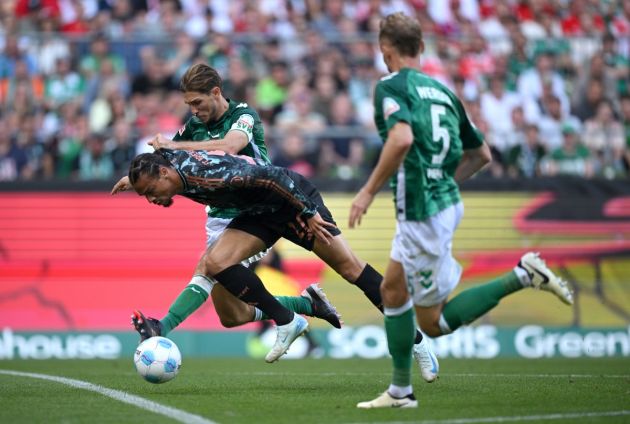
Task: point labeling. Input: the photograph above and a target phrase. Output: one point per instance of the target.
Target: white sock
(399, 392)
(257, 314)
(523, 276)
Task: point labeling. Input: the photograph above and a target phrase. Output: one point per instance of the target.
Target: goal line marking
(148, 405)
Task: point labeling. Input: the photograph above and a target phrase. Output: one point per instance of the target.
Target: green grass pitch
(325, 391)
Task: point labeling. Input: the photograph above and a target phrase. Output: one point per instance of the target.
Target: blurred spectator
(71, 141)
(51, 48)
(604, 136)
(596, 69)
(572, 158)
(121, 146)
(63, 84)
(342, 154)
(585, 103)
(552, 122)
(155, 76)
(497, 105)
(523, 160)
(531, 82)
(94, 162)
(292, 153)
(13, 55)
(625, 118)
(271, 91)
(13, 158)
(617, 63)
(100, 51)
(239, 81)
(298, 111)
(21, 91)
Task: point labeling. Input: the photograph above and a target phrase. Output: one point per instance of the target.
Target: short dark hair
(402, 32)
(200, 78)
(147, 164)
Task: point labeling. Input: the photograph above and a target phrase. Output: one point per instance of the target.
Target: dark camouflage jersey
(228, 181)
(239, 117)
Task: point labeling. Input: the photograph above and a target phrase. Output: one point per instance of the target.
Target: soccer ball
(157, 359)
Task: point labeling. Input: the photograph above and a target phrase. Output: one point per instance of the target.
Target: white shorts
(424, 250)
(215, 227)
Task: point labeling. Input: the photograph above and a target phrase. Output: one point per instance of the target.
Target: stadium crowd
(84, 84)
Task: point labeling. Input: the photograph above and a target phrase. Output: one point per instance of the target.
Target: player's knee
(211, 265)
(392, 296)
(431, 329)
(233, 320)
(229, 322)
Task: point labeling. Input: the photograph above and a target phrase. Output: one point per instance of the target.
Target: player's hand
(360, 205)
(319, 228)
(161, 142)
(122, 185)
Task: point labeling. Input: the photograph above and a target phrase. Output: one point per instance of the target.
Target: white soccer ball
(157, 359)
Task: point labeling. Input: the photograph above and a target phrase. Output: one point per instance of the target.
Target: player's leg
(474, 302)
(400, 329)
(438, 317)
(223, 262)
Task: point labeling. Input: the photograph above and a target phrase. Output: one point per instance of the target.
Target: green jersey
(238, 117)
(424, 183)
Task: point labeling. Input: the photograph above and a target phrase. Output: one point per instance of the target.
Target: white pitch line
(501, 375)
(148, 405)
(515, 418)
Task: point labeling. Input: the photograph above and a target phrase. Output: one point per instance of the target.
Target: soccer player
(430, 146)
(273, 202)
(219, 123)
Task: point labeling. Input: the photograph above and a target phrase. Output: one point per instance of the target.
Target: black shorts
(270, 227)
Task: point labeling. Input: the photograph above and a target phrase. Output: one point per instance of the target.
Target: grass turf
(322, 391)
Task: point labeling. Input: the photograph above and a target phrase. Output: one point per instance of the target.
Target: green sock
(297, 304)
(476, 301)
(401, 332)
(188, 301)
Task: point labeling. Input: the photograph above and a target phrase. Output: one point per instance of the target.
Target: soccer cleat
(426, 359)
(322, 308)
(386, 400)
(146, 327)
(286, 335)
(543, 278)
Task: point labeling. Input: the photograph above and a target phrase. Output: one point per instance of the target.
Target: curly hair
(147, 164)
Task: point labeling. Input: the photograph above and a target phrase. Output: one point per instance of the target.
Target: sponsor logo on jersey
(390, 106)
(245, 123)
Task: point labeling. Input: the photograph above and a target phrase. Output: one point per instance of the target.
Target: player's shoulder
(194, 122)
(242, 108)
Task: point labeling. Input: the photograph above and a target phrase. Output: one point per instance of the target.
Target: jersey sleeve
(245, 124)
(471, 137)
(392, 103)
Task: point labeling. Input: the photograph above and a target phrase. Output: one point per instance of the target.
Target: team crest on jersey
(390, 106)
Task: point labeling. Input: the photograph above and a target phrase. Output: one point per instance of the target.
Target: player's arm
(234, 142)
(473, 160)
(398, 143)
